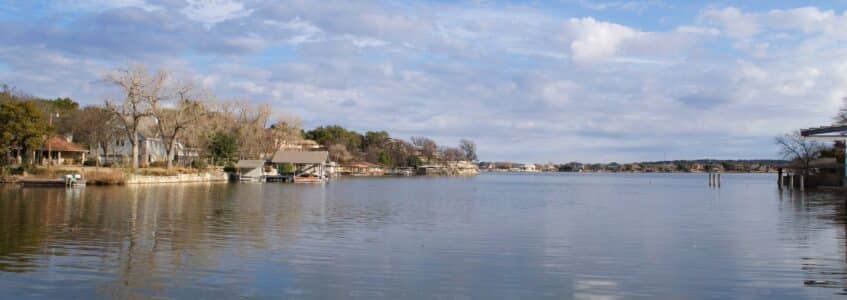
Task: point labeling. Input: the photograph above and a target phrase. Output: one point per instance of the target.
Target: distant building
(363, 169)
(299, 145)
(527, 168)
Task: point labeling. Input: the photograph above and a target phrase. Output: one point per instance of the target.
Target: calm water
(557, 236)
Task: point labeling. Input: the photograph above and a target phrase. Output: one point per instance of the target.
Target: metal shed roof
(249, 163)
(300, 157)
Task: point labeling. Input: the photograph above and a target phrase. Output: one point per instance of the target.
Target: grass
(104, 176)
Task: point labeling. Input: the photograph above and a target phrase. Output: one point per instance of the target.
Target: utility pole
(50, 145)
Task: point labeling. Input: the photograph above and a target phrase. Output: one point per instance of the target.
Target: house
(299, 145)
(311, 164)
(527, 168)
(150, 150)
(62, 150)
(363, 169)
(254, 170)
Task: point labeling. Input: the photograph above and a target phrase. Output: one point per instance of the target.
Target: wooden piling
(779, 180)
(711, 179)
(718, 180)
(802, 183)
(791, 182)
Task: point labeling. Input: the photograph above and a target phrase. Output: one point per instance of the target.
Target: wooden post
(710, 179)
(719, 180)
(791, 182)
(779, 179)
(802, 183)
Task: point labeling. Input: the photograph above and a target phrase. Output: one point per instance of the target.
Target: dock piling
(802, 183)
(791, 182)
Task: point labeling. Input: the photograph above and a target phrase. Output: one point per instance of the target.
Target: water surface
(606, 236)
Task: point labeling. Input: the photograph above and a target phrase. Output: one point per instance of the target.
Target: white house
(150, 150)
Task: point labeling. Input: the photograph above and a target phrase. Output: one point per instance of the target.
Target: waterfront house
(833, 168)
(63, 151)
(363, 169)
(527, 168)
(150, 150)
(311, 164)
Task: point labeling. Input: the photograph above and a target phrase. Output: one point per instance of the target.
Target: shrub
(229, 168)
(199, 164)
(104, 177)
(158, 164)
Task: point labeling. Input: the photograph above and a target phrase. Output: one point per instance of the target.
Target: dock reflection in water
(491, 236)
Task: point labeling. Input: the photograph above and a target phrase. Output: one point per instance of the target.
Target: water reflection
(494, 236)
(827, 269)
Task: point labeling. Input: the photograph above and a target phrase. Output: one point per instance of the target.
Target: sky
(531, 81)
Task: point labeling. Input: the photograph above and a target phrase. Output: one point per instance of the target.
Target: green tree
(385, 159)
(222, 148)
(334, 134)
(22, 126)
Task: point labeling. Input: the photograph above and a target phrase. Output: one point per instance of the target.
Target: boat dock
(51, 183)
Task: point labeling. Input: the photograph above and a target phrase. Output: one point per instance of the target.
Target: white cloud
(527, 84)
(595, 40)
(734, 23)
(211, 12)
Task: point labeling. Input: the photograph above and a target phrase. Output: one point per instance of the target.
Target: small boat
(307, 179)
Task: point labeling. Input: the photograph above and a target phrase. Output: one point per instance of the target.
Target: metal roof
(823, 130)
(249, 163)
(300, 157)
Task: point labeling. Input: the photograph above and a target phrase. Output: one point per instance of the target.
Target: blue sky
(586, 80)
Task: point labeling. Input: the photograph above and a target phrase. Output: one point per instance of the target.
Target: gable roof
(300, 157)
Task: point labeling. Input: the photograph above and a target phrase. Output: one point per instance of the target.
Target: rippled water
(492, 236)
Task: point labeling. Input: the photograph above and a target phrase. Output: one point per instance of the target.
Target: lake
(584, 236)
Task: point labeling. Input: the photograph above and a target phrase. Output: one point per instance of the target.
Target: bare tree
(427, 147)
(284, 131)
(451, 154)
(469, 149)
(251, 122)
(139, 89)
(339, 153)
(841, 117)
(98, 128)
(171, 122)
(798, 150)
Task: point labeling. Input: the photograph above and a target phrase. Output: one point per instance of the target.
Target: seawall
(180, 178)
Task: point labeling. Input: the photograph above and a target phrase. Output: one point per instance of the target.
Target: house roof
(58, 143)
(833, 129)
(300, 157)
(250, 163)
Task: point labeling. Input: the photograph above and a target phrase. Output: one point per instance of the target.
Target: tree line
(177, 110)
(379, 147)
